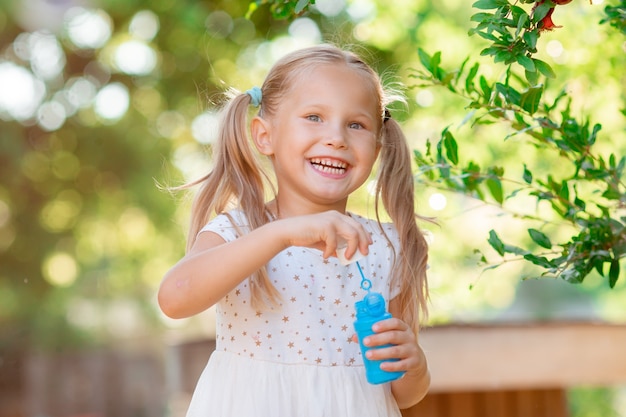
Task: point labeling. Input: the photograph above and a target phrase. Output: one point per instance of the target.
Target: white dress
(298, 359)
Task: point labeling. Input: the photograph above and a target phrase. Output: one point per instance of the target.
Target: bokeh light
(88, 29)
(135, 58)
(425, 98)
(360, 10)
(80, 91)
(437, 201)
(112, 101)
(144, 25)
(60, 269)
(51, 115)
(204, 127)
(20, 92)
(330, 7)
(305, 29)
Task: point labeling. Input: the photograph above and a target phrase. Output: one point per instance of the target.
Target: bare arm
(212, 268)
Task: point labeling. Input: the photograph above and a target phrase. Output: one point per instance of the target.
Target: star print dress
(297, 359)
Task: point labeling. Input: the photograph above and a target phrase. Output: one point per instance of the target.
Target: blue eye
(314, 118)
(355, 126)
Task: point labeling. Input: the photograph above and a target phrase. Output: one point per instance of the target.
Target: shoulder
(229, 225)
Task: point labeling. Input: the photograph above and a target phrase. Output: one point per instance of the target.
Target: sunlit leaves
(281, 9)
(443, 166)
(513, 32)
(549, 126)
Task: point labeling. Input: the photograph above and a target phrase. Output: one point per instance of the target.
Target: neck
(281, 209)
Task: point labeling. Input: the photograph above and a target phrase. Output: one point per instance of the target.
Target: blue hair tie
(255, 96)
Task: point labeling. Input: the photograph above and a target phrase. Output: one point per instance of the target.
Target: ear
(260, 130)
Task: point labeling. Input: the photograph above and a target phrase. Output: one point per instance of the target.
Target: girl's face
(323, 138)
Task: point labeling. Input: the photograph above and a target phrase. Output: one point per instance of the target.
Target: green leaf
(530, 38)
(540, 238)
(469, 80)
(527, 63)
(301, 5)
(481, 17)
(564, 191)
(503, 56)
(484, 85)
(487, 4)
(580, 203)
(614, 272)
(539, 260)
(424, 59)
(531, 98)
(495, 242)
(510, 94)
(532, 77)
(544, 68)
(451, 147)
(495, 188)
(521, 23)
(515, 250)
(528, 176)
(541, 10)
(435, 60)
(485, 35)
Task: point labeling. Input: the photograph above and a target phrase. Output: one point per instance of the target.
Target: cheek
(369, 149)
(367, 159)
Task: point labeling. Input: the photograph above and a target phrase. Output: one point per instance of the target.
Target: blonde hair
(239, 180)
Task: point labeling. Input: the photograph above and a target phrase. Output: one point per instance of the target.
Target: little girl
(285, 304)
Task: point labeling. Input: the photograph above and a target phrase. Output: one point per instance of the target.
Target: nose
(335, 136)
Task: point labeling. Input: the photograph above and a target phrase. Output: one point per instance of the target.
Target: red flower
(547, 23)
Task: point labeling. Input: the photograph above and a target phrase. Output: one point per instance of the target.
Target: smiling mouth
(329, 166)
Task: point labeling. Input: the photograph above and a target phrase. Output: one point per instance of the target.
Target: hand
(326, 231)
(405, 347)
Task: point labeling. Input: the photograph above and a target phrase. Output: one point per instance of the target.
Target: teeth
(330, 170)
(329, 166)
(329, 163)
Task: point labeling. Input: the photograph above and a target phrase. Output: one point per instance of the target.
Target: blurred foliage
(594, 402)
(86, 228)
(616, 16)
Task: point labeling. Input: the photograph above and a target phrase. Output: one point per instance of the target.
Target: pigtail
(395, 187)
(237, 180)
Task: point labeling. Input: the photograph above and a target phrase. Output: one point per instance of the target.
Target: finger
(393, 323)
(387, 338)
(396, 366)
(330, 247)
(354, 238)
(397, 352)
